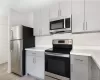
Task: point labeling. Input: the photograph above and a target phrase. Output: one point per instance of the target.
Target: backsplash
(46, 41)
(85, 39)
(43, 41)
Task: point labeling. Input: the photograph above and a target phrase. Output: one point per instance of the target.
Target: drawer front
(81, 59)
(40, 53)
(30, 53)
(35, 53)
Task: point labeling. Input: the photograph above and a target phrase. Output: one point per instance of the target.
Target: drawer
(40, 53)
(35, 53)
(81, 59)
(30, 53)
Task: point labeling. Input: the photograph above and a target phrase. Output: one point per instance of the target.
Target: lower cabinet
(80, 67)
(95, 71)
(34, 64)
(39, 67)
(30, 65)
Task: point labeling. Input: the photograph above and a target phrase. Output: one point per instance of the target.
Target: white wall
(79, 40)
(3, 39)
(21, 18)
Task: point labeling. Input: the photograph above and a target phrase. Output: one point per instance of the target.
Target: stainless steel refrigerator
(21, 38)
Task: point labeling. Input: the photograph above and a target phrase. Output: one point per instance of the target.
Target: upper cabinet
(37, 17)
(45, 21)
(41, 22)
(61, 9)
(78, 21)
(85, 15)
(65, 8)
(54, 11)
(92, 10)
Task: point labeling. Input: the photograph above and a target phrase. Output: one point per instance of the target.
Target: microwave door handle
(57, 54)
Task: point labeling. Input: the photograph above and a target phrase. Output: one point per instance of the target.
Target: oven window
(58, 65)
(59, 24)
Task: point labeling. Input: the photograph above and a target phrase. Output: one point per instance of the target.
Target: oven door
(57, 64)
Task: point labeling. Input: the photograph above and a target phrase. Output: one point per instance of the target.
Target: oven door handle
(57, 54)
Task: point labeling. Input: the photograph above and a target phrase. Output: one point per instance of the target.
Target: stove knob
(70, 42)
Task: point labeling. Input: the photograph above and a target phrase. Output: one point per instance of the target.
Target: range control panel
(62, 41)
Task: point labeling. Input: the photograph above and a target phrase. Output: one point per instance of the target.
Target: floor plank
(6, 76)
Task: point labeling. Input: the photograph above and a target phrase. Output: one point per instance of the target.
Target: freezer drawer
(17, 32)
(16, 56)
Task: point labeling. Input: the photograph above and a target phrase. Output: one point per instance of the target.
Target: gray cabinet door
(65, 8)
(35, 64)
(30, 65)
(79, 70)
(95, 71)
(39, 67)
(78, 16)
(16, 57)
(92, 12)
(54, 11)
(37, 22)
(45, 21)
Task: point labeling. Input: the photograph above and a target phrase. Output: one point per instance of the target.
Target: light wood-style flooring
(6, 76)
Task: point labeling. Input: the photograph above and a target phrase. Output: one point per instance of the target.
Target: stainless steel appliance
(60, 25)
(57, 60)
(21, 38)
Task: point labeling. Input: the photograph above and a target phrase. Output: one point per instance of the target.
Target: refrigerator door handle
(11, 35)
(11, 45)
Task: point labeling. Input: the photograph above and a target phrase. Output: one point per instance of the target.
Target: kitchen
(84, 17)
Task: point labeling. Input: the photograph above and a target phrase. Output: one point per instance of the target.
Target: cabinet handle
(86, 25)
(33, 60)
(79, 60)
(39, 32)
(11, 34)
(71, 67)
(59, 12)
(83, 26)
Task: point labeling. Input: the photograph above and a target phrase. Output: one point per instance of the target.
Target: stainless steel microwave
(60, 25)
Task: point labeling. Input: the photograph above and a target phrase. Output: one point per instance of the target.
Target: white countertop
(37, 48)
(95, 54)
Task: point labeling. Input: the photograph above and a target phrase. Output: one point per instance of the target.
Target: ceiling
(23, 5)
